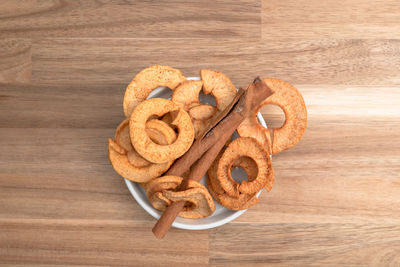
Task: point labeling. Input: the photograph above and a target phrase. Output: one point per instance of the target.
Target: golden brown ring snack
(146, 81)
(244, 147)
(287, 97)
(128, 163)
(219, 86)
(145, 146)
(158, 131)
(187, 94)
(244, 201)
(161, 194)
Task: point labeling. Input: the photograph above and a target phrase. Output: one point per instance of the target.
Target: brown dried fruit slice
(155, 187)
(202, 112)
(199, 202)
(146, 81)
(201, 115)
(122, 137)
(187, 94)
(244, 201)
(157, 130)
(219, 86)
(287, 97)
(244, 147)
(160, 132)
(198, 126)
(124, 168)
(145, 146)
(136, 160)
(128, 163)
(187, 97)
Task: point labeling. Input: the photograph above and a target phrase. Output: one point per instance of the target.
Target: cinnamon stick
(214, 139)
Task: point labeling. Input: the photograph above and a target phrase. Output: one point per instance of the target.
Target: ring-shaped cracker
(244, 147)
(145, 146)
(146, 81)
(289, 99)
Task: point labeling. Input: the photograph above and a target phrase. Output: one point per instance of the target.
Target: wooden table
(64, 66)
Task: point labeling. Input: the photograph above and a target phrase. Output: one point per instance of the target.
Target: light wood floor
(64, 66)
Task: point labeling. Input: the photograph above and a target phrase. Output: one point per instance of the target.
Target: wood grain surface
(64, 66)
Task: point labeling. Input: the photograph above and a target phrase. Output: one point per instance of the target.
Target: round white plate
(221, 215)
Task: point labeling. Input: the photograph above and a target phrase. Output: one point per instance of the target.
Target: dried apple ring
(119, 160)
(128, 163)
(136, 160)
(202, 112)
(289, 99)
(244, 201)
(160, 132)
(146, 81)
(161, 194)
(157, 130)
(155, 187)
(187, 94)
(145, 146)
(219, 86)
(244, 147)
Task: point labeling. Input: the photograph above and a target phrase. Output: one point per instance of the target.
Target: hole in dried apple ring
(274, 116)
(244, 169)
(239, 174)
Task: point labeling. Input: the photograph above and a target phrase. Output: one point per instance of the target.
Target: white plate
(221, 215)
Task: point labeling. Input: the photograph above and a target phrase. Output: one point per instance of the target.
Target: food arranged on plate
(167, 146)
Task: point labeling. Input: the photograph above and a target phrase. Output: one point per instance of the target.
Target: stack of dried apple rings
(158, 131)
